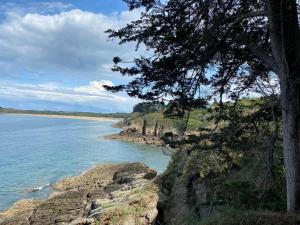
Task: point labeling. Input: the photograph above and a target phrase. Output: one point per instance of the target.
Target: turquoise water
(36, 151)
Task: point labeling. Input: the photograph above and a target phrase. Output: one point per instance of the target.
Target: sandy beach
(71, 117)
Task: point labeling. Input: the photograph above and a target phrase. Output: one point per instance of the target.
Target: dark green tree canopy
(223, 45)
(148, 107)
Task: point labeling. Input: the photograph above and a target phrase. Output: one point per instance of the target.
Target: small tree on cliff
(144, 128)
(224, 46)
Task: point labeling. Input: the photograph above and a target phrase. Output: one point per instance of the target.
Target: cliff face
(108, 194)
(203, 187)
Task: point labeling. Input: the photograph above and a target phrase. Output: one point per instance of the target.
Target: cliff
(230, 174)
(201, 187)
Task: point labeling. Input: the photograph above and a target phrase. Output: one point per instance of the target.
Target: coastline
(48, 184)
(91, 118)
(100, 196)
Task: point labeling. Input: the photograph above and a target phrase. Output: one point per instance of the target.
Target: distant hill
(89, 114)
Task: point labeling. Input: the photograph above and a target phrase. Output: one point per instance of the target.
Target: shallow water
(36, 151)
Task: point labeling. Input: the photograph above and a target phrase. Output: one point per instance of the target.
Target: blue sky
(54, 55)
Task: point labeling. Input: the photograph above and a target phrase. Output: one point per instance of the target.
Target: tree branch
(254, 14)
(259, 52)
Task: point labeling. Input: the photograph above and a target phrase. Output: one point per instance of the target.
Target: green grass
(107, 205)
(198, 118)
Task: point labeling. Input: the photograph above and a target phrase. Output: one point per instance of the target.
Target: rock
(96, 204)
(163, 200)
(174, 199)
(132, 135)
(64, 219)
(81, 221)
(150, 174)
(131, 130)
(106, 195)
(19, 213)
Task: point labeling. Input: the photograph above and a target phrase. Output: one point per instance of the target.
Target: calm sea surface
(37, 151)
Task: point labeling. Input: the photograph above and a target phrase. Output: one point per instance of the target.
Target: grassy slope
(197, 118)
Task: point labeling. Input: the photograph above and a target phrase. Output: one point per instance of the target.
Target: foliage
(148, 107)
(238, 164)
(233, 216)
(174, 124)
(215, 50)
(191, 218)
(196, 44)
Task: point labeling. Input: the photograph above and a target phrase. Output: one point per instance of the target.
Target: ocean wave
(40, 187)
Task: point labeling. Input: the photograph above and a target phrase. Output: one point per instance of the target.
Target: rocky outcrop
(174, 206)
(139, 139)
(106, 195)
(132, 134)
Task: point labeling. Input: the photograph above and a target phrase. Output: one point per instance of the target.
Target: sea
(36, 152)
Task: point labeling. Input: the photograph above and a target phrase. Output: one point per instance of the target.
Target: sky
(54, 55)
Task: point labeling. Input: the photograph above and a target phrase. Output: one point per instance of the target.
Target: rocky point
(122, 194)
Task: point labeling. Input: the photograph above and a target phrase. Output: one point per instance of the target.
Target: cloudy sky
(54, 55)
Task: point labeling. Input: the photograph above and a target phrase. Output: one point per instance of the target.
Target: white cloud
(92, 94)
(72, 42)
(43, 42)
(34, 7)
(95, 87)
(53, 92)
(55, 6)
(48, 86)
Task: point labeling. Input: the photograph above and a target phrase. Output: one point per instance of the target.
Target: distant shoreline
(92, 118)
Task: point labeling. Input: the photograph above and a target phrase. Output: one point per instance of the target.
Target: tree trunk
(285, 37)
(155, 129)
(290, 102)
(144, 129)
(161, 130)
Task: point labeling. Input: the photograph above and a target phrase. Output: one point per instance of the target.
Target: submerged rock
(106, 195)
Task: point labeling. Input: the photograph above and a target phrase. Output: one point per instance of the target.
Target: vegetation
(234, 154)
(239, 167)
(231, 216)
(191, 124)
(204, 50)
(148, 107)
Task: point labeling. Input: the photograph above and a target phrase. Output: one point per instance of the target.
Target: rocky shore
(145, 134)
(105, 195)
(137, 138)
(132, 134)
